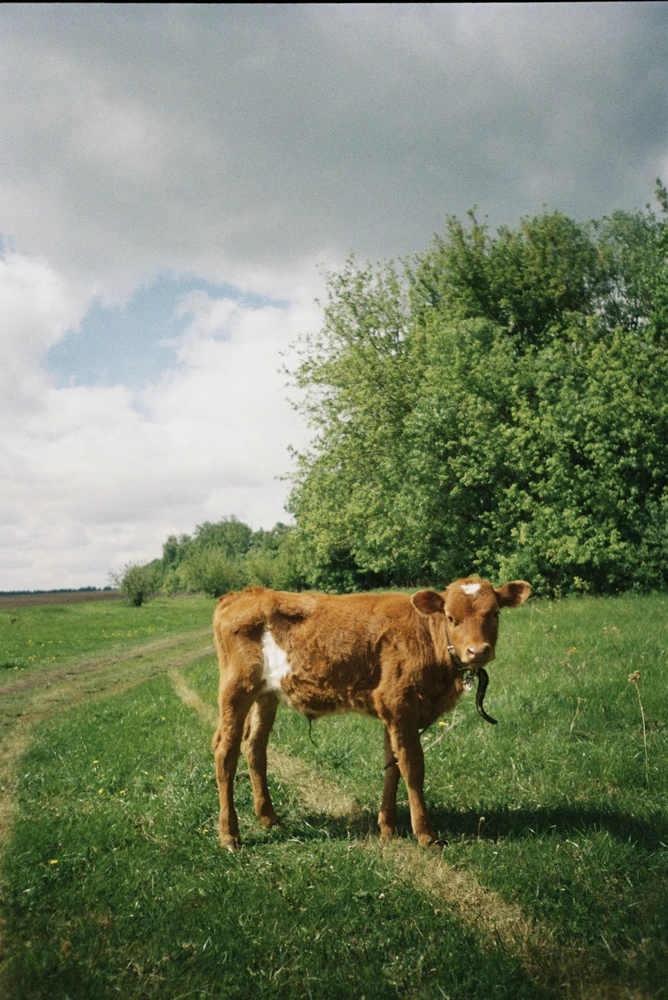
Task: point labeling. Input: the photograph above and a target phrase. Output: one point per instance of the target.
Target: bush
(278, 571)
(213, 572)
(172, 581)
(136, 582)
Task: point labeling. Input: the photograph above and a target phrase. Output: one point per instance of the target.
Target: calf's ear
(427, 602)
(512, 594)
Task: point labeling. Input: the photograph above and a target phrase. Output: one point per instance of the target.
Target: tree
(175, 550)
(358, 373)
(499, 406)
(230, 535)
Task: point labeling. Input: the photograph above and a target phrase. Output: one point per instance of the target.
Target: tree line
(216, 558)
(496, 405)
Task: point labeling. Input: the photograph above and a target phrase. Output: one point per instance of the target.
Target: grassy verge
(81, 650)
(552, 883)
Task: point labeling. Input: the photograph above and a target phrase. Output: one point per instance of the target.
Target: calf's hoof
(431, 841)
(269, 821)
(386, 832)
(231, 843)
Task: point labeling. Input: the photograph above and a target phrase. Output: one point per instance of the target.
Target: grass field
(553, 881)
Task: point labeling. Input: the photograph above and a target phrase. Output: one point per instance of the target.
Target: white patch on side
(470, 588)
(276, 664)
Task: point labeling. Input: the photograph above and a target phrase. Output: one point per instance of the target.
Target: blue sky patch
(133, 344)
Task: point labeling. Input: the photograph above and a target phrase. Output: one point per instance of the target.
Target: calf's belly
(310, 694)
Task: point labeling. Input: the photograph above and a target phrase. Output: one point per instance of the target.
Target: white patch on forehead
(276, 665)
(470, 588)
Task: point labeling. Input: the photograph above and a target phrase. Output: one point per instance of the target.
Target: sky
(175, 182)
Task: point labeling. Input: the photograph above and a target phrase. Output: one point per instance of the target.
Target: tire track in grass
(315, 792)
(12, 751)
(563, 970)
(67, 670)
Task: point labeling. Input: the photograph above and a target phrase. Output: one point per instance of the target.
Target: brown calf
(397, 658)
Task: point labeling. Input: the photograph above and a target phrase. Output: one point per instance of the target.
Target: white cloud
(104, 475)
(37, 307)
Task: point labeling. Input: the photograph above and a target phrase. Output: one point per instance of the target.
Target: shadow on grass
(648, 833)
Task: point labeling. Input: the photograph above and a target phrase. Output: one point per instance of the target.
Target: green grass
(552, 811)
(43, 636)
(150, 906)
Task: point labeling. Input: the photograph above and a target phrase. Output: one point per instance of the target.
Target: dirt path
(57, 690)
(315, 791)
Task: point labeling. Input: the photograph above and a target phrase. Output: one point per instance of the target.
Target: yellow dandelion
(122, 791)
(100, 791)
(441, 723)
(96, 762)
(160, 778)
(54, 861)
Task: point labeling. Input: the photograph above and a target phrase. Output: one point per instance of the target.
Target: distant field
(553, 880)
(39, 636)
(69, 597)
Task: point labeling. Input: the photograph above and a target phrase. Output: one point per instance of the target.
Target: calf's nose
(481, 652)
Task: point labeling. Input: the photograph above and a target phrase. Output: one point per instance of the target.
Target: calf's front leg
(405, 743)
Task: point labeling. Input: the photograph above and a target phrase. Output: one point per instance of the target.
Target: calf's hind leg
(234, 706)
(259, 721)
(387, 817)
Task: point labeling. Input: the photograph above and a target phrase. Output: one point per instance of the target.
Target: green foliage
(360, 376)
(212, 571)
(274, 559)
(501, 407)
(228, 555)
(526, 280)
(229, 536)
(174, 551)
(137, 582)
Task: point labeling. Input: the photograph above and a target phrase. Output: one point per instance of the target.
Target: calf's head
(471, 608)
